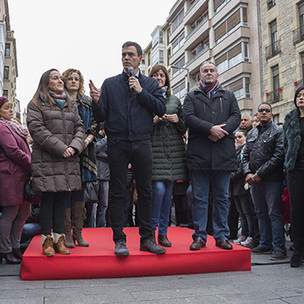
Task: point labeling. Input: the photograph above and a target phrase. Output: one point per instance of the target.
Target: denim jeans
(103, 197)
(219, 181)
(29, 231)
(267, 200)
(161, 205)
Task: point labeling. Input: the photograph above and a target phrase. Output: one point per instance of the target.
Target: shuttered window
(217, 3)
(220, 31)
(233, 20)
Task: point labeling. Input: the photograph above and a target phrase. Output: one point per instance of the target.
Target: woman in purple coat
(15, 167)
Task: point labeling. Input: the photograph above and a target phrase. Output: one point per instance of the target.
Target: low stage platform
(99, 260)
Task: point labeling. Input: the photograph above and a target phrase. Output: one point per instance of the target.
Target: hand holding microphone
(133, 82)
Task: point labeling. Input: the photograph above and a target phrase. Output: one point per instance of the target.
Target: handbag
(91, 192)
(29, 194)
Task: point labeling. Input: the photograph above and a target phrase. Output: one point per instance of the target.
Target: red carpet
(99, 260)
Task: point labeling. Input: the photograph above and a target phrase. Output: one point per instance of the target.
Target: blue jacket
(127, 115)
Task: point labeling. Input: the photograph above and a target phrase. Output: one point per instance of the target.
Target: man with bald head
(246, 123)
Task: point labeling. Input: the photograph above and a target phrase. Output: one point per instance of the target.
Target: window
(161, 57)
(240, 87)
(218, 4)
(274, 36)
(302, 60)
(178, 43)
(6, 73)
(270, 4)
(180, 90)
(234, 56)
(5, 93)
(179, 64)
(275, 83)
(7, 49)
(301, 16)
(177, 20)
(238, 18)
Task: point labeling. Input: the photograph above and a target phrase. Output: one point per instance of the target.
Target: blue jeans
(267, 200)
(220, 181)
(161, 205)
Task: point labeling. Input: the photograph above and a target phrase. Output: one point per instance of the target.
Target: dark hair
(295, 95)
(136, 45)
(265, 103)
(43, 92)
(158, 67)
(65, 77)
(241, 131)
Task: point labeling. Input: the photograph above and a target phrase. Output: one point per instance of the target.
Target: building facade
(8, 59)
(282, 44)
(223, 31)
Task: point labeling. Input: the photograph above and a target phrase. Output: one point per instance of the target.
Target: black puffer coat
(200, 115)
(54, 130)
(168, 148)
(264, 153)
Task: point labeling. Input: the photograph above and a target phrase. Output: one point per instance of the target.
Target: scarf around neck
(209, 89)
(60, 99)
(16, 127)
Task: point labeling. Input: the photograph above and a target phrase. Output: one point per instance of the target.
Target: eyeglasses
(264, 110)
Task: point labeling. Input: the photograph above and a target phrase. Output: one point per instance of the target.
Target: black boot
(150, 246)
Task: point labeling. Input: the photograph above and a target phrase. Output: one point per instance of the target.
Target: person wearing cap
(293, 131)
(127, 105)
(15, 167)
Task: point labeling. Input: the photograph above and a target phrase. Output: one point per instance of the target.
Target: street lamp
(188, 75)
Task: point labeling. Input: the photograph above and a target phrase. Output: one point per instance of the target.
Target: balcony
(273, 49)
(274, 96)
(298, 35)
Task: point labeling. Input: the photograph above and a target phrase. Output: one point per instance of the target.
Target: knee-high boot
(78, 215)
(69, 242)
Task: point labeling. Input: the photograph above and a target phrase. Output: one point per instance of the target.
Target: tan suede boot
(47, 245)
(69, 242)
(59, 244)
(78, 215)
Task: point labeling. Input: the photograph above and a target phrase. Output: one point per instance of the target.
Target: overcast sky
(86, 35)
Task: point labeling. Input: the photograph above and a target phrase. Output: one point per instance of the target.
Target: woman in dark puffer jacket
(169, 158)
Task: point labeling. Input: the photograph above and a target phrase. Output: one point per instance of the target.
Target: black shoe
(17, 253)
(163, 241)
(121, 248)
(224, 245)
(296, 259)
(9, 258)
(197, 244)
(279, 254)
(150, 246)
(260, 249)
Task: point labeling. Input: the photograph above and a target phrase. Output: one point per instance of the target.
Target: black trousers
(295, 179)
(139, 155)
(52, 211)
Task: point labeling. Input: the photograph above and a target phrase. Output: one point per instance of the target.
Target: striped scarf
(209, 89)
(59, 98)
(16, 127)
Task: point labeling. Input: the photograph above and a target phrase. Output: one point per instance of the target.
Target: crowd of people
(135, 143)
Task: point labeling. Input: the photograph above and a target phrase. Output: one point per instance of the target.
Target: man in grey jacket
(211, 114)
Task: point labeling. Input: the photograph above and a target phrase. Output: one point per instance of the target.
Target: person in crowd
(169, 156)
(262, 165)
(242, 198)
(246, 123)
(58, 140)
(75, 211)
(15, 167)
(32, 224)
(211, 114)
(103, 176)
(127, 104)
(255, 121)
(294, 163)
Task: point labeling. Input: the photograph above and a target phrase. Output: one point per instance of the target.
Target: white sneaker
(248, 242)
(240, 239)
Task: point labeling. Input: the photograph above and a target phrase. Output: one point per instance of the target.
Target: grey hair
(205, 62)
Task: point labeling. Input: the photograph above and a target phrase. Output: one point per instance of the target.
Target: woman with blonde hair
(75, 211)
(58, 140)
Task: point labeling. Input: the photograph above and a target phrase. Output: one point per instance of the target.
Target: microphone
(131, 71)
